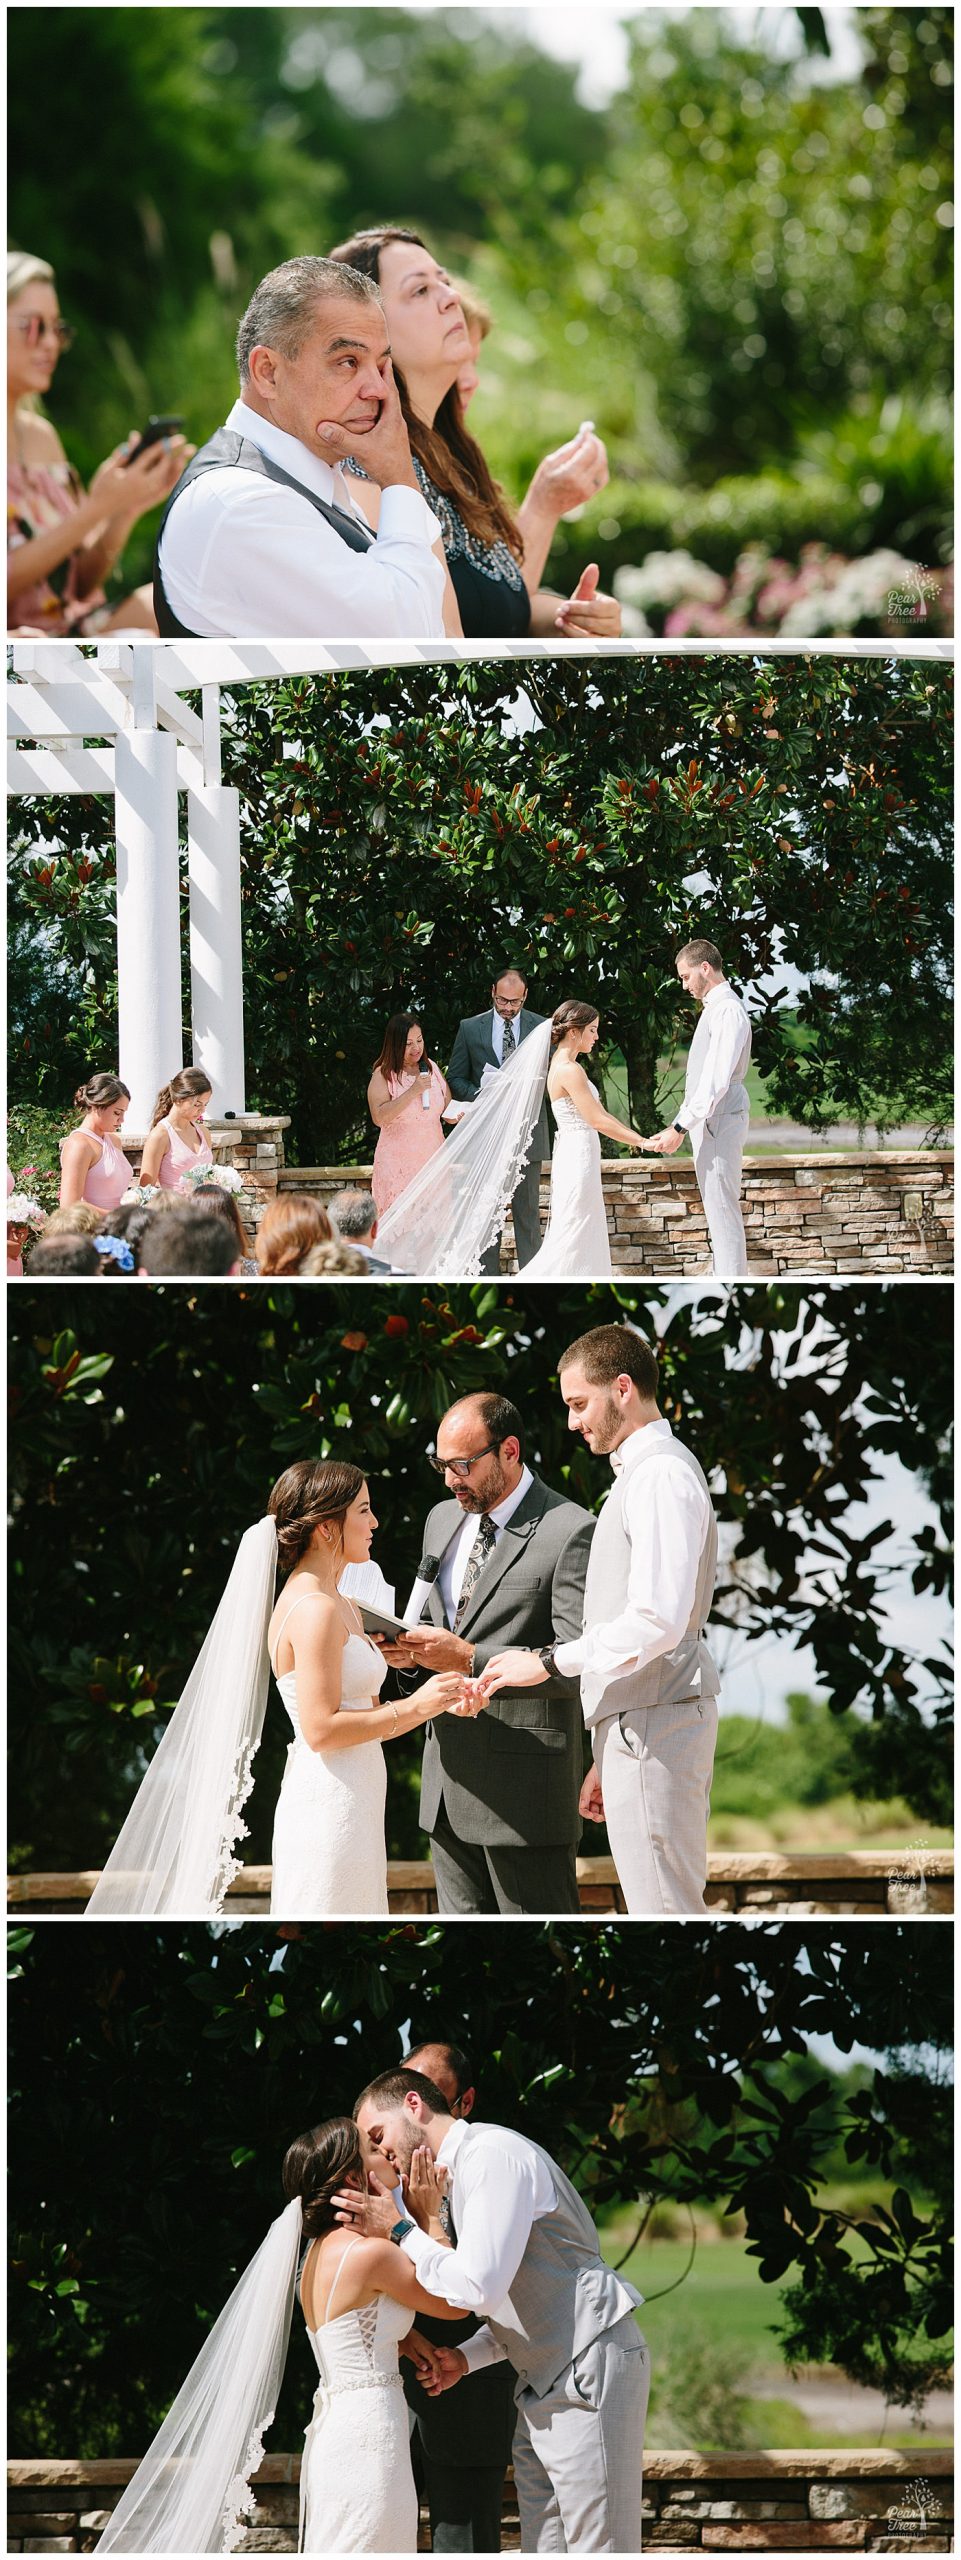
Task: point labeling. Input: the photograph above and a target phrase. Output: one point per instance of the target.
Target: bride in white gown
(175, 1854)
(577, 1245)
(455, 1207)
(190, 2493)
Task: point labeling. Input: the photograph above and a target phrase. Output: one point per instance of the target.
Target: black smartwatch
(679, 1126)
(547, 1652)
(401, 2229)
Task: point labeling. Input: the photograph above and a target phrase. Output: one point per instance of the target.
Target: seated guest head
(128, 1222)
(429, 342)
(354, 1216)
(480, 322)
(186, 1243)
(402, 1048)
(222, 1204)
(311, 347)
(61, 1257)
(291, 1225)
(334, 1260)
(80, 1219)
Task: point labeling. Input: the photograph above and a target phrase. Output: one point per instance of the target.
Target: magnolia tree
(158, 2075)
(407, 832)
(149, 1425)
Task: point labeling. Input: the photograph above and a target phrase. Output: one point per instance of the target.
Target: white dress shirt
(453, 1566)
(246, 558)
(718, 1057)
(499, 2186)
(667, 1529)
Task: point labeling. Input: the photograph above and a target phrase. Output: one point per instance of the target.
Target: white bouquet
(222, 1177)
(24, 1211)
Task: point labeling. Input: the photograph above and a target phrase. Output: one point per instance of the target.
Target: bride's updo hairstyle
(316, 1489)
(316, 2165)
(570, 1016)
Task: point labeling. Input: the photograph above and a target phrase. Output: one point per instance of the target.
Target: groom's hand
(450, 2365)
(373, 2214)
(590, 1802)
(667, 1142)
(512, 1670)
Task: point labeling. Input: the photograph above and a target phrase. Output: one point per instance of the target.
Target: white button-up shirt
(453, 1564)
(668, 1517)
(718, 1057)
(499, 2187)
(246, 558)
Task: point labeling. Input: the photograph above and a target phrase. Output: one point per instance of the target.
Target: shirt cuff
(481, 2349)
(406, 517)
(569, 1658)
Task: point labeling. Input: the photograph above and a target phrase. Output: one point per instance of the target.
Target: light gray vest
(563, 2295)
(687, 1671)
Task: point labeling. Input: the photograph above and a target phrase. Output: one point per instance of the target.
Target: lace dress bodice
(358, 2350)
(357, 2487)
(362, 1679)
(329, 1853)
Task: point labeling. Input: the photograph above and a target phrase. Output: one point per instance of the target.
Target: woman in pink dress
(178, 1140)
(63, 540)
(405, 1097)
(92, 1166)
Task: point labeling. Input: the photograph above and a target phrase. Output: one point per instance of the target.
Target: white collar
(722, 989)
(639, 1444)
(307, 467)
(452, 2141)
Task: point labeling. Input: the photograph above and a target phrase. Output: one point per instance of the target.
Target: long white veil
(175, 1855)
(456, 1205)
(191, 2489)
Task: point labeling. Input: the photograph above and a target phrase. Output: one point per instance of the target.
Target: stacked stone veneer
(799, 1883)
(802, 2502)
(884, 1211)
(253, 1143)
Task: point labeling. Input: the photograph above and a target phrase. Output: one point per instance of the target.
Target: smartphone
(153, 431)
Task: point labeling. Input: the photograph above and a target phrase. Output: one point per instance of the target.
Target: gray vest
(563, 2295)
(687, 1671)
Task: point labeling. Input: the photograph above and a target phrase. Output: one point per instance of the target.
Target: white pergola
(132, 693)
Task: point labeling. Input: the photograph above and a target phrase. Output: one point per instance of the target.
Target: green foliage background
(149, 1424)
(740, 270)
(407, 831)
(157, 2076)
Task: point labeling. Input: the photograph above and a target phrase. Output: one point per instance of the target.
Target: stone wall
(878, 1210)
(809, 2501)
(253, 1142)
(780, 1883)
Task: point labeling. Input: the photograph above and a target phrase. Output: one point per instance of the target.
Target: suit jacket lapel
(508, 1548)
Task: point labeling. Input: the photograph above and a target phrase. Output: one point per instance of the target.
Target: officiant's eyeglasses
(460, 1466)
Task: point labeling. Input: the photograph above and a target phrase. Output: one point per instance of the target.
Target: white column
(216, 956)
(148, 918)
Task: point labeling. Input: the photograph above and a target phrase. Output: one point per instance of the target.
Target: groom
(648, 1683)
(491, 1040)
(715, 1112)
(526, 2258)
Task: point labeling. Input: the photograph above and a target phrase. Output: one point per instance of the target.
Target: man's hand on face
(383, 447)
(373, 2214)
(450, 2366)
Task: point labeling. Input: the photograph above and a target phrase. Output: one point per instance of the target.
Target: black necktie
(486, 1539)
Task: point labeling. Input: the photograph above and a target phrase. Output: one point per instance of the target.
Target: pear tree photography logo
(916, 2512)
(913, 601)
(908, 1880)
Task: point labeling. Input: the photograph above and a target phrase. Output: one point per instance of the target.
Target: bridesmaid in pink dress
(405, 1097)
(92, 1166)
(14, 1256)
(178, 1139)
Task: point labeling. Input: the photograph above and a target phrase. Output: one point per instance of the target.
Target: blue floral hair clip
(115, 1249)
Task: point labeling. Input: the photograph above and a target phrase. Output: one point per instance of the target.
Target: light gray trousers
(718, 1147)
(578, 2449)
(655, 1766)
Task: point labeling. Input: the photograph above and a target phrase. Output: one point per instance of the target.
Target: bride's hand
(426, 2186)
(438, 1694)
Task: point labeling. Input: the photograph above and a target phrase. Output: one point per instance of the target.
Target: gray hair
(23, 270)
(281, 310)
(353, 1213)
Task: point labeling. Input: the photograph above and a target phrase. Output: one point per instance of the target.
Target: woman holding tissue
(176, 1852)
(495, 559)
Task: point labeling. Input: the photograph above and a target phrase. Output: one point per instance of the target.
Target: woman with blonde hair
(177, 1140)
(63, 540)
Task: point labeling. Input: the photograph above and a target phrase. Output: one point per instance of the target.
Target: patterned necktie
(509, 1044)
(486, 1539)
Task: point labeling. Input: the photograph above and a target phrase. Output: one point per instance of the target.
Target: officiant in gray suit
(489, 1041)
(504, 1564)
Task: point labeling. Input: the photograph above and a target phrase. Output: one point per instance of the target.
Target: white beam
(148, 918)
(93, 710)
(216, 950)
(47, 772)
